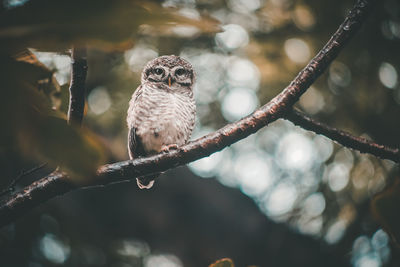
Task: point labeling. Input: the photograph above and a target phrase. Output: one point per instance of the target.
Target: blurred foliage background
(281, 197)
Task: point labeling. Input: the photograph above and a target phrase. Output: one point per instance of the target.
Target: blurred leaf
(225, 262)
(48, 85)
(55, 25)
(13, 70)
(77, 151)
(385, 208)
(64, 98)
(20, 88)
(37, 129)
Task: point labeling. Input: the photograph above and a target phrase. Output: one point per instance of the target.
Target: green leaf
(54, 25)
(225, 262)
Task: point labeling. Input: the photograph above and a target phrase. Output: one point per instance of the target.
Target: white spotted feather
(162, 110)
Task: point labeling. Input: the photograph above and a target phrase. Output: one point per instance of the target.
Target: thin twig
(59, 183)
(344, 138)
(79, 69)
(11, 187)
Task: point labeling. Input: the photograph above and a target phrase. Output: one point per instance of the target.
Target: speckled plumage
(162, 109)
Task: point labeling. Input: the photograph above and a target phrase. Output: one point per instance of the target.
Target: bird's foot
(167, 148)
(144, 184)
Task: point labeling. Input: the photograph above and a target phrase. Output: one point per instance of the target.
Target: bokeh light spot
(239, 102)
(99, 100)
(324, 147)
(303, 17)
(369, 260)
(297, 50)
(210, 73)
(53, 249)
(338, 176)
(380, 239)
(361, 245)
(13, 3)
(254, 173)
(244, 6)
(138, 56)
(344, 156)
(371, 252)
(312, 101)
(243, 73)
(295, 152)
(135, 248)
(233, 37)
(339, 74)
(314, 204)
(391, 29)
(206, 167)
(162, 260)
(311, 227)
(335, 232)
(225, 174)
(388, 75)
(281, 199)
(362, 173)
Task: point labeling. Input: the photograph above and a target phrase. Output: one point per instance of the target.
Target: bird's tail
(146, 182)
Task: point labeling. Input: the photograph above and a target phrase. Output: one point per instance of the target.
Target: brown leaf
(225, 262)
(38, 131)
(77, 151)
(49, 85)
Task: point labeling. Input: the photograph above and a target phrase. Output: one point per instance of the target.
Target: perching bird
(162, 110)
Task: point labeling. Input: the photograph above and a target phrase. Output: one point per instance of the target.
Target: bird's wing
(133, 103)
(135, 146)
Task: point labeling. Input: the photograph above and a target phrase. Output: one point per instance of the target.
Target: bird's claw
(142, 185)
(167, 148)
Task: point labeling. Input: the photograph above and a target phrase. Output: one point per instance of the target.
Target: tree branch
(11, 187)
(344, 138)
(58, 182)
(77, 87)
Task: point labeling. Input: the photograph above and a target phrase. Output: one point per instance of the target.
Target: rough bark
(77, 87)
(344, 138)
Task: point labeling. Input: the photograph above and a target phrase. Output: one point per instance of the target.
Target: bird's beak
(169, 81)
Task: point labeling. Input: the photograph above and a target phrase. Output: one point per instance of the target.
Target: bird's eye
(158, 71)
(180, 72)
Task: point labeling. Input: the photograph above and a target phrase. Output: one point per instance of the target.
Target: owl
(162, 110)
